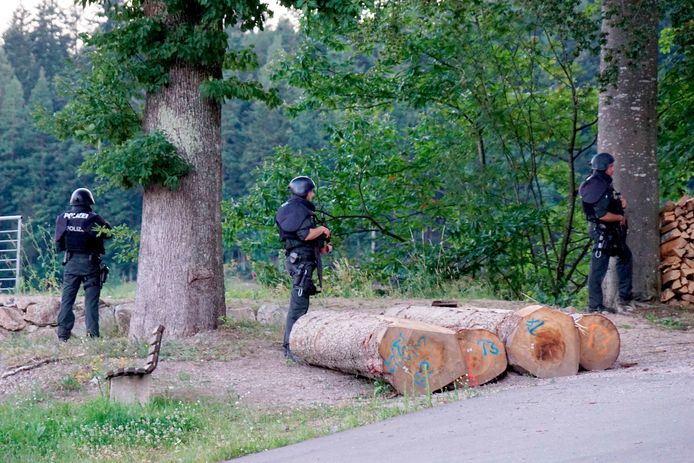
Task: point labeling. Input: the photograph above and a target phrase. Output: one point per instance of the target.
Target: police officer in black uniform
(75, 234)
(604, 209)
(304, 242)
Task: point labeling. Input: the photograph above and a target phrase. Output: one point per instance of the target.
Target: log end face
(544, 343)
(484, 356)
(418, 360)
(600, 342)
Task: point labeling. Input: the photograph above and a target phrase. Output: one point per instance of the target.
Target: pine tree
(17, 45)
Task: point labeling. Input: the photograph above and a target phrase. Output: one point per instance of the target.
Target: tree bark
(414, 357)
(538, 340)
(180, 271)
(627, 128)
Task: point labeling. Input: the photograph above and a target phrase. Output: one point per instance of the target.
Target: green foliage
(666, 322)
(125, 242)
(40, 260)
(480, 176)
(104, 431)
(145, 159)
(675, 100)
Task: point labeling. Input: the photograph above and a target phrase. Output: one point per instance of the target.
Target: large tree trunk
(414, 357)
(538, 340)
(627, 128)
(180, 275)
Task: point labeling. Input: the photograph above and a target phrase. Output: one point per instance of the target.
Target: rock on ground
(272, 314)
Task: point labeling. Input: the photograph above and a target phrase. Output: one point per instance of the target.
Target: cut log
(667, 207)
(675, 284)
(484, 355)
(679, 211)
(681, 290)
(672, 260)
(670, 275)
(682, 201)
(414, 357)
(600, 341)
(671, 235)
(668, 227)
(667, 217)
(667, 295)
(688, 298)
(690, 287)
(538, 340)
(673, 247)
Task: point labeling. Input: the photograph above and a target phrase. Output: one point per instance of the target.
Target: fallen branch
(31, 366)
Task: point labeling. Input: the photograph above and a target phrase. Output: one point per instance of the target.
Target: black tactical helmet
(601, 161)
(81, 197)
(300, 186)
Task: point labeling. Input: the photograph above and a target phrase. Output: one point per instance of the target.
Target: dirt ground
(243, 362)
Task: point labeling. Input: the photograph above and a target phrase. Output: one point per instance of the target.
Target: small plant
(70, 384)
(382, 389)
(666, 322)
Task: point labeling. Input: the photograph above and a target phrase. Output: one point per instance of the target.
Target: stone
(11, 319)
(240, 313)
(124, 313)
(131, 389)
(272, 314)
(43, 312)
(41, 332)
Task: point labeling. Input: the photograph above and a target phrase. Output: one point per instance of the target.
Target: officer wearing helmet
(76, 235)
(604, 209)
(304, 241)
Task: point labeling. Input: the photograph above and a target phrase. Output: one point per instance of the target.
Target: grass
(666, 322)
(39, 430)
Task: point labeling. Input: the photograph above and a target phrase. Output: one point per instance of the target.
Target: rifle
(621, 231)
(321, 242)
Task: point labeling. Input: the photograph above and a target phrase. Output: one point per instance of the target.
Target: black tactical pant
(80, 269)
(598, 269)
(298, 303)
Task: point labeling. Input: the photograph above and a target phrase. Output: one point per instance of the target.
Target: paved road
(645, 418)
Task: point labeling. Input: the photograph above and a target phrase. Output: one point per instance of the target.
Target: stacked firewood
(677, 252)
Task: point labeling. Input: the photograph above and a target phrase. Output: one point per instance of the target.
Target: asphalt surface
(587, 418)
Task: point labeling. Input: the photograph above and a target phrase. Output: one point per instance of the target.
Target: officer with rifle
(604, 209)
(304, 242)
(76, 234)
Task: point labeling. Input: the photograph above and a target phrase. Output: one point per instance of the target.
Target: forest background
(446, 138)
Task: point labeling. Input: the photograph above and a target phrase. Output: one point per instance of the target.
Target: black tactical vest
(595, 188)
(74, 231)
(289, 218)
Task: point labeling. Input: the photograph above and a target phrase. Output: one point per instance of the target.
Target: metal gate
(10, 252)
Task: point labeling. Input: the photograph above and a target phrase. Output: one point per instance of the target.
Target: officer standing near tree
(304, 242)
(76, 235)
(604, 209)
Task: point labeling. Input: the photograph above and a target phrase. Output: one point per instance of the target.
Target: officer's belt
(302, 252)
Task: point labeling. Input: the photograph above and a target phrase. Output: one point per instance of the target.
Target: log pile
(677, 252)
(538, 340)
(421, 349)
(413, 356)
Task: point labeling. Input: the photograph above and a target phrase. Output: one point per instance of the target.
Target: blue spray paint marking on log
(401, 353)
(422, 376)
(532, 325)
(492, 347)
